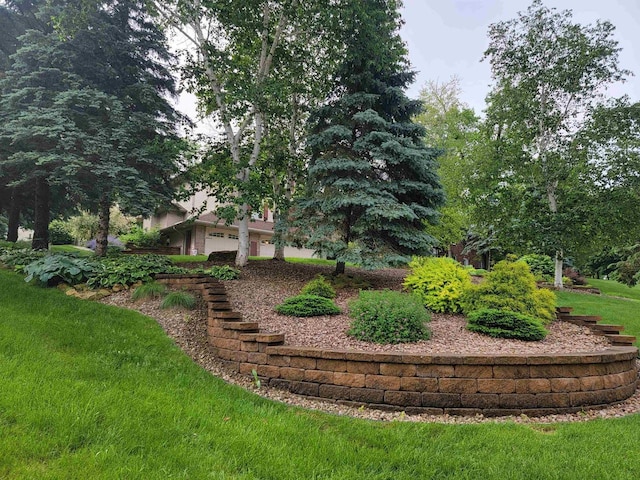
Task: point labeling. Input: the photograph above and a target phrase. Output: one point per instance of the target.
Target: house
(205, 233)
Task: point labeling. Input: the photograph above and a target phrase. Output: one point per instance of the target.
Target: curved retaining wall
(434, 384)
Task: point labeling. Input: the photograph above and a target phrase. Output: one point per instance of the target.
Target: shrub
(178, 300)
(320, 287)
(307, 306)
(344, 280)
(19, 245)
(511, 286)
(438, 282)
(505, 324)
(573, 276)
(149, 290)
(17, 258)
(141, 238)
(540, 265)
(221, 272)
(59, 233)
(58, 268)
(129, 269)
(388, 317)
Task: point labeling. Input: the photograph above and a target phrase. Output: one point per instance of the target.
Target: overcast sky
(449, 37)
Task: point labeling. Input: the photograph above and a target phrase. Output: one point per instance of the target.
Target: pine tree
(372, 182)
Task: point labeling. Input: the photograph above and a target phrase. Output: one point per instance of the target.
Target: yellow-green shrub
(439, 282)
(511, 286)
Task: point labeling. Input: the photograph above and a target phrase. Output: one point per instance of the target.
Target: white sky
(449, 37)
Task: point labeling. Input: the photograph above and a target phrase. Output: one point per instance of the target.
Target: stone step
(604, 328)
(225, 315)
(270, 338)
(216, 306)
(619, 340)
(242, 326)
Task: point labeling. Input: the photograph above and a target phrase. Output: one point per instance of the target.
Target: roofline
(185, 223)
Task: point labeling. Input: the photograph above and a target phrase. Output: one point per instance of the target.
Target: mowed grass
(92, 391)
(618, 304)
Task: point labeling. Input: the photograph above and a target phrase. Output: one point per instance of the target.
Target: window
(233, 237)
(216, 234)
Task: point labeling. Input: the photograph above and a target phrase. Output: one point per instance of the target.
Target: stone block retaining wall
(433, 384)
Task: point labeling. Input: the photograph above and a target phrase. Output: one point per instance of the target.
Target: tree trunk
(14, 217)
(102, 237)
(242, 257)
(279, 230)
(41, 209)
(339, 268)
(557, 277)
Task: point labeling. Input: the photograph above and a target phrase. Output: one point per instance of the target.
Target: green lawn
(83, 252)
(613, 309)
(89, 391)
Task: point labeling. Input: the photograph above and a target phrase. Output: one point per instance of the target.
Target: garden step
(270, 338)
(603, 328)
(226, 315)
(243, 326)
(214, 291)
(586, 319)
(215, 306)
(621, 339)
(564, 309)
(214, 298)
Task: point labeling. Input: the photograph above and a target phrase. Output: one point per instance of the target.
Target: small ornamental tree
(372, 183)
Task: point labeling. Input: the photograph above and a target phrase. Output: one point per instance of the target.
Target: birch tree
(548, 74)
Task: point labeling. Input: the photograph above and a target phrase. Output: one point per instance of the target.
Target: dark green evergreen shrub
(129, 269)
(59, 233)
(307, 306)
(346, 281)
(388, 317)
(505, 324)
(54, 269)
(511, 286)
(178, 300)
(439, 282)
(319, 286)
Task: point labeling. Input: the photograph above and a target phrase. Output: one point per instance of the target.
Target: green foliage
(57, 268)
(511, 286)
(19, 257)
(347, 281)
(540, 265)
(506, 324)
(179, 299)
(319, 286)
(388, 317)
(439, 282)
(129, 269)
(221, 272)
(138, 237)
(59, 233)
(307, 306)
(149, 290)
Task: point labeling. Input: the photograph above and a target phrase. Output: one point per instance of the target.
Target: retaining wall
(433, 384)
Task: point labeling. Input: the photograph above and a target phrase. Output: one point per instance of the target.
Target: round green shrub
(505, 324)
(540, 265)
(59, 233)
(388, 317)
(319, 286)
(439, 282)
(511, 286)
(307, 306)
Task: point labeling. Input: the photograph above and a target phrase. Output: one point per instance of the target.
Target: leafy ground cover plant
(388, 317)
(511, 286)
(57, 268)
(506, 324)
(221, 272)
(439, 282)
(319, 286)
(149, 290)
(307, 306)
(179, 299)
(129, 269)
(17, 258)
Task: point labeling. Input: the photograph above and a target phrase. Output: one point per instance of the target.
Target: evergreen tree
(372, 182)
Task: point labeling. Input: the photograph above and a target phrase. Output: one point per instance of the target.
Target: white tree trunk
(242, 256)
(557, 277)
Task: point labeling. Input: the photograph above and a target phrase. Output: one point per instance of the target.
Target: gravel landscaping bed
(264, 284)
